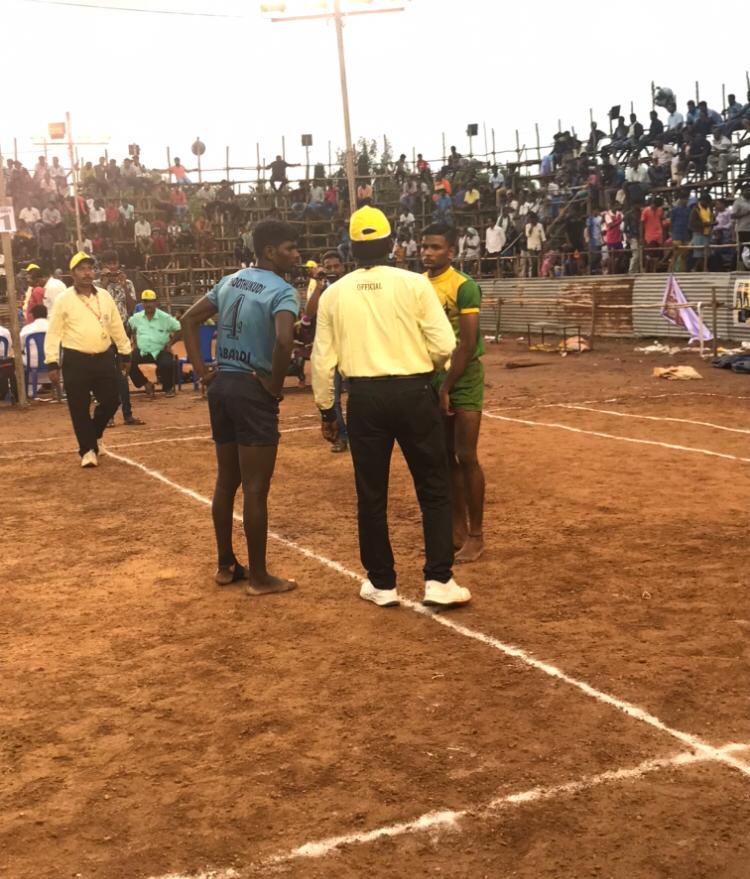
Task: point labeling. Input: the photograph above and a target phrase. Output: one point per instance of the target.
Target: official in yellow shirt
(385, 331)
(86, 323)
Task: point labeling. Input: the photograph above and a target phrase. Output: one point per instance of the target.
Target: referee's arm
(53, 338)
(117, 332)
(435, 326)
(324, 361)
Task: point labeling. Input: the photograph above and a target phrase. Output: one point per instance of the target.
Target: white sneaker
(445, 594)
(381, 597)
(90, 459)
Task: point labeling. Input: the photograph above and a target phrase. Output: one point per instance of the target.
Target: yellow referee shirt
(376, 322)
(85, 323)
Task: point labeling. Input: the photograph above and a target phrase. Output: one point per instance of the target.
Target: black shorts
(242, 411)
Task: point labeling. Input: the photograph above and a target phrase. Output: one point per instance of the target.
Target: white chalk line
(153, 442)
(450, 818)
(628, 398)
(516, 652)
(582, 408)
(622, 439)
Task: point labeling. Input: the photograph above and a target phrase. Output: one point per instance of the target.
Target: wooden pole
(169, 164)
(283, 147)
(10, 281)
(653, 95)
(307, 163)
(538, 144)
(74, 180)
(518, 147)
(200, 174)
(330, 163)
(494, 162)
(486, 148)
(714, 321)
(257, 162)
(15, 149)
(443, 147)
(345, 102)
(226, 160)
(697, 92)
(593, 320)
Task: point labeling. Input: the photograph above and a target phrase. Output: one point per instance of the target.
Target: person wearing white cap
(86, 323)
(385, 330)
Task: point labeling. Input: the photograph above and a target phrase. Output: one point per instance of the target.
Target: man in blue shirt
(255, 310)
(679, 232)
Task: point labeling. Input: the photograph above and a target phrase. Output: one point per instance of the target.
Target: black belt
(419, 376)
(87, 354)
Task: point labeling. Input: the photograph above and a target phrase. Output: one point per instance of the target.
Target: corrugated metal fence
(559, 302)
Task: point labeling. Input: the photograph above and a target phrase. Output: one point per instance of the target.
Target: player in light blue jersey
(255, 310)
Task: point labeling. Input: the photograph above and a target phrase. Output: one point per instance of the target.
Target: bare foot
(267, 585)
(471, 550)
(230, 574)
(459, 540)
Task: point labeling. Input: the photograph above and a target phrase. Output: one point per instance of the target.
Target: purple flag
(682, 317)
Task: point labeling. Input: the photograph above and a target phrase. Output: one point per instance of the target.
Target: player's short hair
(271, 233)
(38, 311)
(331, 254)
(443, 229)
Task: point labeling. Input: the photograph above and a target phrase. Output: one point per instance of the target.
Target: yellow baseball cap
(80, 257)
(311, 264)
(31, 266)
(149, 295)
(368, 224)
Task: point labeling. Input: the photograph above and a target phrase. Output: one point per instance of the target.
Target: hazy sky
(162, 79)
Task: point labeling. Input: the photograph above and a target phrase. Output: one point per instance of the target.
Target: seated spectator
(471, 196)
(204, 238)
(100, 176)
(423, 168)
(442, 182)
(713, 117)
(180, 173)
(37, 323)
(142, 232)
(97, 214)
(127, 215)
(52, 219)
(35, 297)
(619, 136)
(740, 119)
(658, 174)
(278, 172)
(412, 251)
(454, 160)
(635, 132)
(723, 225)
(53, 288)
(697, 151)
(405, 223)
(174, 231)
(721, 151)
(469, 248)
(662, 152)
(364, 193)
(595, 136)
(443, 212)
(675, 123)
(179, 202)
(331, 198)
(59, 175)
(655, 131)
(497, 183)
(154, 331)
(32, 218)
(159, 241)
(316, 201)
(692, 113)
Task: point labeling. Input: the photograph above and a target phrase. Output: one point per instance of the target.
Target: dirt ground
(154, 724)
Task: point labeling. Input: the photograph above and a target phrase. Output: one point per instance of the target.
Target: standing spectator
(400, 170)
(701, 223)
(86, 322)
(364, 193)
(679, 232)
(154, 331)
(535, 239)
(469, 248)
(52, 289)
(594, 239)
(652, 225)
(121, 289)
(613, 237)
(741, 215)
(494, 242)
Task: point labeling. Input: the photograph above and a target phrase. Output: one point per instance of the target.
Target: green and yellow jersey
(459, 294)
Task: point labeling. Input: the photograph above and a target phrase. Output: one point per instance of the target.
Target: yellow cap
(80, 257)
(148, 295)
(368, 224)
(311, 264)
(31, 265)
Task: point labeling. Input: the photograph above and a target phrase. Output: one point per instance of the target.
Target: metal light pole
(337, 15)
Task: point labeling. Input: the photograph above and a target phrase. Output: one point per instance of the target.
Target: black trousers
(164, 361)
(84, 375)
(403, 410)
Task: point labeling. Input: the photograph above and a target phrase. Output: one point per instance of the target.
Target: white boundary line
(622, 439)
(624, 399)
(582, 408)
(515, 652)
(449, 818)
(153, 442)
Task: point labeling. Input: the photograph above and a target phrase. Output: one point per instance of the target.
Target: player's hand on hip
(208, 375)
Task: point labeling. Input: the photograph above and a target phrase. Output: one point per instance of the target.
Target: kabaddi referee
(383, 328)
(86, 322)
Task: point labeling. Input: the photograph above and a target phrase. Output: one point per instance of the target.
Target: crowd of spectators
(670, 194)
